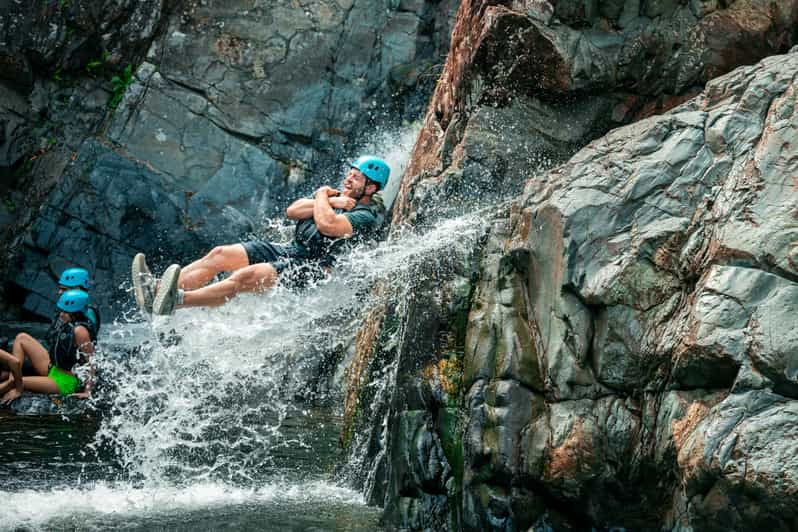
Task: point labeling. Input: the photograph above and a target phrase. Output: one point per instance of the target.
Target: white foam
(34, 509)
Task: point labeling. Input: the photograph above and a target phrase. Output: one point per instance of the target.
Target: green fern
(119, 85)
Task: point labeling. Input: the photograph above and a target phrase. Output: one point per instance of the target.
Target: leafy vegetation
(119, 85)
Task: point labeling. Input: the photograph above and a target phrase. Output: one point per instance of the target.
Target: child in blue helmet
(328, 223)
(46, 367)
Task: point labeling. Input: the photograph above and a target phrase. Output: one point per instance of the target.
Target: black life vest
(61, 340)
(322, 247)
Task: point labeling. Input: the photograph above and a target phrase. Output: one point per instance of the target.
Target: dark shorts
(296, 269)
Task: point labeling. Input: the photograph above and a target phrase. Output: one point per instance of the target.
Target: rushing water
(54, 484)
(213, 418)
(203, 422)
(222, 418)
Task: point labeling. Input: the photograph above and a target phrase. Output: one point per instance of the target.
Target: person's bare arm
(301, 209)
(327, 221)
(86, 349)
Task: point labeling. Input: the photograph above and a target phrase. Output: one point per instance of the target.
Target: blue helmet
(74, 277)
(73, 301)
(374, 168)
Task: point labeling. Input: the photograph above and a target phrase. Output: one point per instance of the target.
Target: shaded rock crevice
(57, 61)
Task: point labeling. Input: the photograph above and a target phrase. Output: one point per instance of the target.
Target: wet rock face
(236, 109)
(537, 61)
(67, 35)
(664, 228)
(57, 61)
(629, 357)
(652, 277)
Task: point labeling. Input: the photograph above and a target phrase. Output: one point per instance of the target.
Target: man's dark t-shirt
(311, 252)
(365, 221)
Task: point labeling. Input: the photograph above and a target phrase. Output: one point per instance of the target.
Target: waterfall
(232, 407)
(237, 409)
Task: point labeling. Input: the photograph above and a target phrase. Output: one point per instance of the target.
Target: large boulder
(673, 237)
(628, 359)
(548, 77)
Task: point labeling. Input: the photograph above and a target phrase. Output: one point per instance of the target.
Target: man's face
(354, 184)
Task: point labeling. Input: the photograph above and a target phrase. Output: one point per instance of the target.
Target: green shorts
(66, 382)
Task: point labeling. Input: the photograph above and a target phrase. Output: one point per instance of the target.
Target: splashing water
(207, 398)
(218, 408)
(107, 506)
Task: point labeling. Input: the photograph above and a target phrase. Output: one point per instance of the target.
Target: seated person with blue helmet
(79, 278)
(326, 224)
(70, 340)
(71, 278)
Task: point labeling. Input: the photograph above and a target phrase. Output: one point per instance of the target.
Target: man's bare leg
(255, 278)
(220, 259)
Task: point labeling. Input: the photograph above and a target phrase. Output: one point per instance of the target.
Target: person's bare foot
(11, 395)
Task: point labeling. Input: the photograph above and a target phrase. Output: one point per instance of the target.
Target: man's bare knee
(225, 258)
(23, 338)
(256, 278)
(216, 255)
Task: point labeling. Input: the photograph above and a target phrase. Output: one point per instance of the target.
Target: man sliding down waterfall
(326, 224)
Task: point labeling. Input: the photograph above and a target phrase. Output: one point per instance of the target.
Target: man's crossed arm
(321, 209)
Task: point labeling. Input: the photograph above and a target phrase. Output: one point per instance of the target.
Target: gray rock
(32, 404)
(111, 206)
(237, 110)
(499, 343)
(738, 319)
(629, 351)
(744, 450)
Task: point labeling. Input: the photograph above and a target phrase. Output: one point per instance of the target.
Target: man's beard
(356, 193)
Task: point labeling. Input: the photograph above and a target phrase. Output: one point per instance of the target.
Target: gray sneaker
(143, 283)
(166, 296)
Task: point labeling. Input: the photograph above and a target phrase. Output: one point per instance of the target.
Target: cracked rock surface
(628, 357)
(234, 110)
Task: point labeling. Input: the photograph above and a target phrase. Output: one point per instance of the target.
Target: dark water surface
(53, 478)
